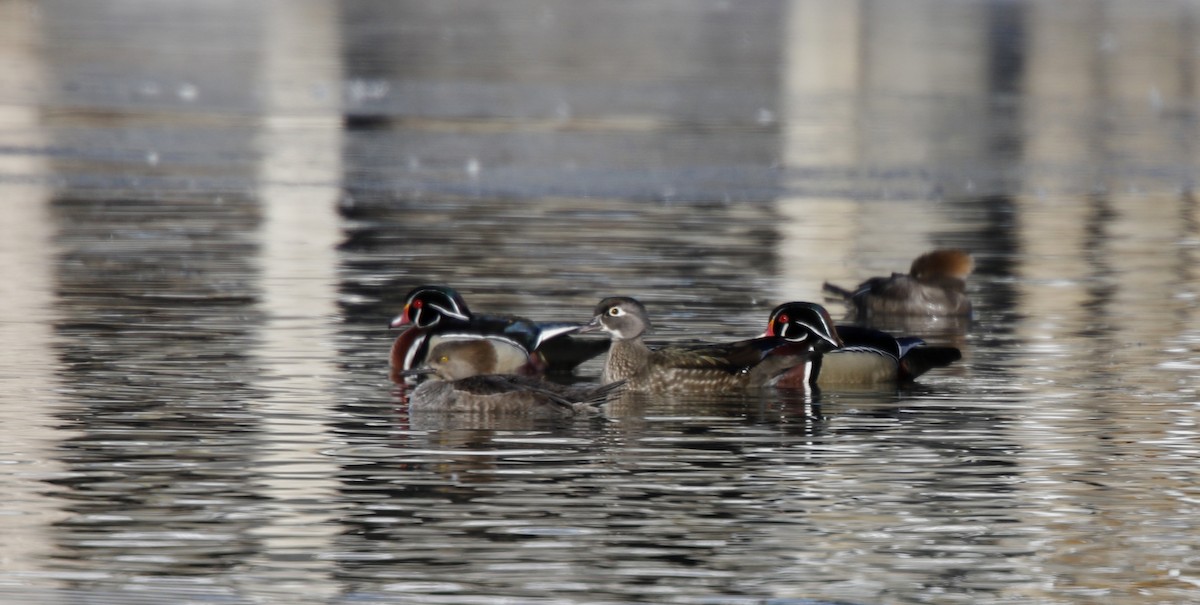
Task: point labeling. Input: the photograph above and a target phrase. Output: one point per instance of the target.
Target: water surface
(203, 243)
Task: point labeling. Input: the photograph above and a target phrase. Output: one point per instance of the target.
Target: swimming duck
(714, 367)
(465, 383)
(433, 314)
(935, 285)
(867, 356)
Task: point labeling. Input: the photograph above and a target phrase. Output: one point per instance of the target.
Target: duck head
(623, 318)
(944, 262)
(457, 359)
(804, 322)
(427, 306)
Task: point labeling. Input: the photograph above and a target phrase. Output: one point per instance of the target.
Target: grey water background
(212, 209)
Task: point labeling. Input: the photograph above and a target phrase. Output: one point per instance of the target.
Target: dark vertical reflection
(1100, 282)
(995, 243)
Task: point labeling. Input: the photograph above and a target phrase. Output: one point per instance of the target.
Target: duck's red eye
(783, 318)
(417, 304)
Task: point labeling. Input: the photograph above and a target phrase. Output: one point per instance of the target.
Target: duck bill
(400, 320)
(592, 326)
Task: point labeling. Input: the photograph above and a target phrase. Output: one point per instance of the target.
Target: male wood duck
(867, 357)
(717, 367)
(466, 384)
(935, 285)
(433, 314)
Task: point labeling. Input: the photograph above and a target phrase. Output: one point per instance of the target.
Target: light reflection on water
(195, 393)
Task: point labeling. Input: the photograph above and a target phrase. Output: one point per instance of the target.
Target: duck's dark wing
(552, 340)
(922, 359)
(520, 331)
(562, 354)
(898, 285)
(857, 338)
(731, 357)
(910, 353)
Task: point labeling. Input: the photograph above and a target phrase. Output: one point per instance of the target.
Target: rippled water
(203, 243)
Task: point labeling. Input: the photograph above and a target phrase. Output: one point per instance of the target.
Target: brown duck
(935, 285)
(463, 384)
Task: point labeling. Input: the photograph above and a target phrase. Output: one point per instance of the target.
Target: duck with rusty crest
(730, 366)
(433, 314)
(867, 357)
(935, 286)
(466, 383)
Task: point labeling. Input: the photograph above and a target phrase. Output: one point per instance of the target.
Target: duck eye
(616, 311)
(783, 318)
(443, 359)
(417, 304)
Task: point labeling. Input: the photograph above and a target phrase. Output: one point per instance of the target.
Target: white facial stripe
(455, 313)
(820, 332)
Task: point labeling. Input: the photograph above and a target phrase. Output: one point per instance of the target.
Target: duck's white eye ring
(616, 311)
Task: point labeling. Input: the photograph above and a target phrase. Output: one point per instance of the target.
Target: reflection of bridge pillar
(1127, 66)
(1098, 295)
(820, 83)
(1137, 67)
(300, 169)
(1062, 71)
(925, 83)
(865, 90)
(28, 361)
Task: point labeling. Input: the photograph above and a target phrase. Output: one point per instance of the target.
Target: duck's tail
(838, 292)
(919, 360)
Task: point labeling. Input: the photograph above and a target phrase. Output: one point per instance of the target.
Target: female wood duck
(717, 367)
(867, 357)
(935, 285)
(466, 383)
(433, 314)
